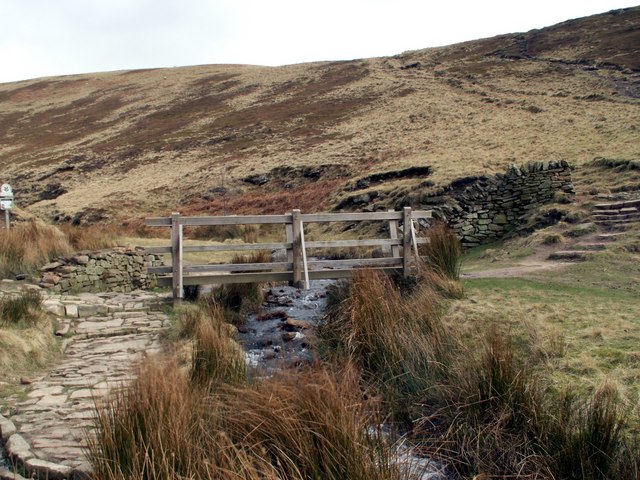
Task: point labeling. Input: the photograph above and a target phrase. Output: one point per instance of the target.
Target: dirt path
(538, 262)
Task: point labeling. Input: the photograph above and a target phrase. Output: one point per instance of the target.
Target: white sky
(57, 37)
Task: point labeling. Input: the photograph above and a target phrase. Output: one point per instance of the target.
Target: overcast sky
(57, 37)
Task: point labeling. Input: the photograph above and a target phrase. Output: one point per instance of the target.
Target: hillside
(125, 144)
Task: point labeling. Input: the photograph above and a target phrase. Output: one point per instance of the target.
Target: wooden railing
(297, 269)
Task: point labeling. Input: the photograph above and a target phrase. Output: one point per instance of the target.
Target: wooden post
(297, 248)
(305, 266)
(176, 257)
(406, 241)
(7, 219)
(393, 234)
(414, 241)
(288, 229)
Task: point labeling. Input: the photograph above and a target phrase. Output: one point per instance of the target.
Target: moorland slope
(208, 138)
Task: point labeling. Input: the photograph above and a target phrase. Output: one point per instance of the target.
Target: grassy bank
(27, 343)
(475, 384)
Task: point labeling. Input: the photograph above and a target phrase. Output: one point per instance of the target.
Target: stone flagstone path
(105, 335)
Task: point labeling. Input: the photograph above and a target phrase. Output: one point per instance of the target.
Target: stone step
(620, 216)
(615, 223)
(571, 255)
(618, 205)
(606, 212)
(614, 227)
(108, 333)
(589, 246)
(632, 203)
(609, 237)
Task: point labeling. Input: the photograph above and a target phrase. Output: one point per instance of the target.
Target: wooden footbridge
(298, 269)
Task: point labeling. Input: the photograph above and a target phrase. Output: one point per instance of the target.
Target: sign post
(6, 202)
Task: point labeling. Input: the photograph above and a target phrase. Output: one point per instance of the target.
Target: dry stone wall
(114, 270)
(482, 209)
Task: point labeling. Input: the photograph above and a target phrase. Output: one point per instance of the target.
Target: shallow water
(277, 336)
(268, 352)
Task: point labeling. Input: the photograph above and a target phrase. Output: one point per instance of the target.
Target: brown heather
(129, 144)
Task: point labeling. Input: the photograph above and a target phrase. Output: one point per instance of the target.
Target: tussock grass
(29, 245)
(164, 426)
(91, 237)
(21, 310)
(478, 398)
(497, 419)
(312, 426)
(187, 319)
(443, 252)
(237, 299)
(393, 341)
(26, 339)
(216, 356)
(160, 428)
(208, 421)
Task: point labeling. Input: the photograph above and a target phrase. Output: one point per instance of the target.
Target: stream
(281, 336)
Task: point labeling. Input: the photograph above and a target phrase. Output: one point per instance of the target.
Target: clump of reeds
(91, 237)
(392, 340)
(24, 309)
(478, 404)
(160, 427)
(239, 299)
(187, 319)
(311, 426)
(493, 416)
(442, 252)
(29, 245)
(217, 358)
(314, 425)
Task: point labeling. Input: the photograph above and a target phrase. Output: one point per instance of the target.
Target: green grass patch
(584, 333)
(536, 290)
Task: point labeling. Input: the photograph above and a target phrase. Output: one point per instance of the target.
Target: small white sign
(5, 190)
(6, 204)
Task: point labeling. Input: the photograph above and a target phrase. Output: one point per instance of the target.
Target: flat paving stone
(112, 333)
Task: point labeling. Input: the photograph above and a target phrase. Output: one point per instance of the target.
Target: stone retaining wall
(482, 209)
(114, 270)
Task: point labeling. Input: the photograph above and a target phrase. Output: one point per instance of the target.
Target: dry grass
(160, 428)
(490, 415)
(443, 252)
(217, 357)
(310, 426)
(208, 421)
(396, 343)
(93, 237)
(29, 245)
(21, 310)
(196, 128)
(24, 351)
(27, 343)
(486, 402)
(237, 299)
